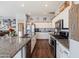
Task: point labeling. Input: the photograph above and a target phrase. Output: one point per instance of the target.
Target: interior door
(21, 28)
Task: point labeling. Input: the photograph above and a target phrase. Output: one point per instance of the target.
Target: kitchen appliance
(58, 27)
(64, 34)
(53, 44)
(59, 24)
(33, 29)
(30, 29)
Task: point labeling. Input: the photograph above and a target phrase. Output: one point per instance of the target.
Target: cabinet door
(65, 54)
(18, 55)
(24, 52)
(61, 52)
(74, 49)
(58, 53)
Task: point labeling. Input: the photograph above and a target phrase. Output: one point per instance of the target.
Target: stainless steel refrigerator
(30, 29)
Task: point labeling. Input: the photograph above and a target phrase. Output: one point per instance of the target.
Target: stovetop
(59, 37)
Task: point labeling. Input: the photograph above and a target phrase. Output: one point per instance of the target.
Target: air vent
(51, 12)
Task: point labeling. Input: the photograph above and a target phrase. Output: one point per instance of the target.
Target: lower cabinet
(65, 54)
(25, 52)
(42, 35)
(21, 53)
(61, 51)
(58, 51)
(18, 55)
(74, 48)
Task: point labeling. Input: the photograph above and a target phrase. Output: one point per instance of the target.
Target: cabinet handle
(65, 52)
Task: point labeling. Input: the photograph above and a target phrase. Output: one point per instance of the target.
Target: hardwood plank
(42, 49)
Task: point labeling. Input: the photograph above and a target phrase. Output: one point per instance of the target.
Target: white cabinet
(58, 51)
(42, 35)
(33, 42)
(18, 55)
(24, 52)
(49, 39)
(74, 48)
(64, 15)
(21, 53)
(61, 51)
(65, 54)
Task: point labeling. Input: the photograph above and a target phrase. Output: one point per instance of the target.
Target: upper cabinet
(64, 15)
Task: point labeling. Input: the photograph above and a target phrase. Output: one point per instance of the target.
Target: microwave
(59, 24)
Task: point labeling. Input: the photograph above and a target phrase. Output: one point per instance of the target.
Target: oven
(53, 44)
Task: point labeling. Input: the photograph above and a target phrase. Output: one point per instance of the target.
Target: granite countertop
(64, 42)
(10, 46)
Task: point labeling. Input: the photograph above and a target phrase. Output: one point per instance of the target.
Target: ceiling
(12, 8)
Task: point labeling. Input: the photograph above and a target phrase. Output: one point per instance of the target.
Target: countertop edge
(19, 49)
(61, 43)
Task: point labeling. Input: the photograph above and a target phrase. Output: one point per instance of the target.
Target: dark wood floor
(42, 49)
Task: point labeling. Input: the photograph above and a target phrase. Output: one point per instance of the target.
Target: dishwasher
(53, 44)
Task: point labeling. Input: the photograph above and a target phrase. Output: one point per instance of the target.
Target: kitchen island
(10, 46)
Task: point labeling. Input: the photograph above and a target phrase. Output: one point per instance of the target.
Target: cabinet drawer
(61, 51)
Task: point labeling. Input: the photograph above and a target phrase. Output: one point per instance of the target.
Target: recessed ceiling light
(29, 13)
(45, 13)
(46, 5)
(22, 5)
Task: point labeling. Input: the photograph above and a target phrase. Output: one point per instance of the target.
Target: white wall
(63, 15)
